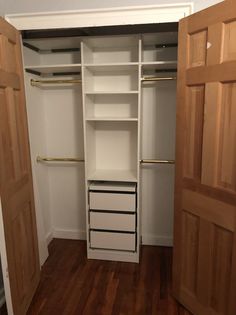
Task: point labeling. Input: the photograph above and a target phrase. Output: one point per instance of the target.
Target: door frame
(101, 17)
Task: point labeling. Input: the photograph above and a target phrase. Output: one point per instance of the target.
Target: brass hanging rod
(152, 161)
(158, 79)
(54, 159)
(38, 82)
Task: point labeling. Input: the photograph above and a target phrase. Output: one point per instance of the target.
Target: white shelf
(151, 65)
(110, 119)
(111, 186)
(60, 68)
(110, 92)
(119, 66)
(54, 43)
(113, 175)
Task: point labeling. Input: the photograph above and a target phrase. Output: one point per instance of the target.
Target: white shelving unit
(111, 88)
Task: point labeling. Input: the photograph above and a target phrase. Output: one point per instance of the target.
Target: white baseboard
(157, 240)
(69, 234)
(49, 237)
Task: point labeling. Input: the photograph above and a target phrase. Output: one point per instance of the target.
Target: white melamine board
(115, 145)
(111, 119)
(47, 69)
(101, 79)
(105, 106)
(150, 53)
(45, 57)
(153, 39)
(158, 141)
(30, 56)
(112, 201)
(68, 58)
(112, 92)
(115, 241)
(158, 65)
(54, 43)
(112, 68)
(112, 186)
(113, 175)
(113, 221)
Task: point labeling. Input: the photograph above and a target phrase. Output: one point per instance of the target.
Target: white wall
(27, 6)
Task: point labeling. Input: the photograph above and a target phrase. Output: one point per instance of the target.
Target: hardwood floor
(3, 309)
(72, 285)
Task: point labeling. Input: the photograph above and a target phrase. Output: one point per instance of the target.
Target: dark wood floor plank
(72, 285)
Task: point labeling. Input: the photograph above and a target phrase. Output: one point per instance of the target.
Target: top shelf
(47, 70)
(53, 45)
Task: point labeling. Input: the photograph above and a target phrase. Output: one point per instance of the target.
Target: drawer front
(112, 201)
(107, 240)
(112, 221)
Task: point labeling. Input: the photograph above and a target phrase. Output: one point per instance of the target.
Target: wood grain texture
(205, 204)
(229, 42)
(193, 132)
(72, 285)
(16, 185)
(197, 50)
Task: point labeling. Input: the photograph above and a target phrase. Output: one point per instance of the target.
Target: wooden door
(204, 270)
(16, 189)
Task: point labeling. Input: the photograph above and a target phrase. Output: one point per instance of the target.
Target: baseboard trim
(157, 240)
(69, 234)
(49, 237)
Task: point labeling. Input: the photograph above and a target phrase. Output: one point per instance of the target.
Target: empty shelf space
(46, 70)
(42, 45)
(111, 107)
(118, 49)
(159, 46)
(100, 80)
(112, 145)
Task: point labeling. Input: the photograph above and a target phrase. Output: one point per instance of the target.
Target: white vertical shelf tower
(111, 70)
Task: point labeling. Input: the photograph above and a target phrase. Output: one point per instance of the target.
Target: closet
(101, 113)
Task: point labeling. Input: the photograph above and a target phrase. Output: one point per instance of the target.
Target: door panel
(204, 270)
(16, 189)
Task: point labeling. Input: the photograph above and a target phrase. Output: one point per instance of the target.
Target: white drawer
(112, 201)
(112, 221)
(107, 240)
